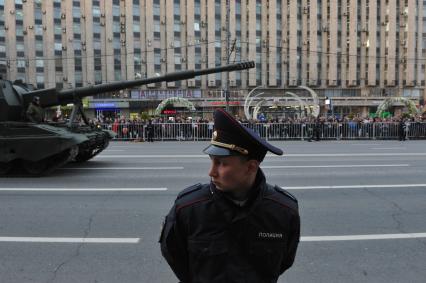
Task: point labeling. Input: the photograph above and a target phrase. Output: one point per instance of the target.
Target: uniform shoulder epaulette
(189, 190)
(285, 192)
(282, 197)
(192, 195)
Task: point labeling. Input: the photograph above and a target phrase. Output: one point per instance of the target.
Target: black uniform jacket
(208, 238)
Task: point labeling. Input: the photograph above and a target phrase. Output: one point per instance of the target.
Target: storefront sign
(169, 112)
(104, 105)
(109, 105)
(158, 94)
(221, 103)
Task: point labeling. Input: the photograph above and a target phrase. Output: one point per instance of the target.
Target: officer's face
(232, 173)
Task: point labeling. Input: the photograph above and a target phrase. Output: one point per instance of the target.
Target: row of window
(58, 45)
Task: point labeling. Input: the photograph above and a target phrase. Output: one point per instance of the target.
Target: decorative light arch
(301, 102)
(313, 110)
(388, 102)
(249, 100)
(316, 109)
(257, 108)
(182, 101)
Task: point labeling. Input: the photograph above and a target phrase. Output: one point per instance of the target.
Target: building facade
(354, 51)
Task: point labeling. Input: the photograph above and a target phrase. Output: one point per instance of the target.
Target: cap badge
(214, 135)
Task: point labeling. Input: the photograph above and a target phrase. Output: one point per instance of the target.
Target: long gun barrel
(52, 97)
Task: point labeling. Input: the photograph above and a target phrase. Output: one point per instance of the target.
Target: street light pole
(329, 105)
(228, 54)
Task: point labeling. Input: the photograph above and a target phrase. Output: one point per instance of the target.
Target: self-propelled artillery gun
(37, 149)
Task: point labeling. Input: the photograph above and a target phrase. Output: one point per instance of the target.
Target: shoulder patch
(192, 195)
(284, 192)
(189, 190)
(282, 197)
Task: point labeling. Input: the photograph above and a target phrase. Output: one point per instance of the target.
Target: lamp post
(228, 53)
(329, 105)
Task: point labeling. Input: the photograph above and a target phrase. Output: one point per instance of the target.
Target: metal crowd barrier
(273, 131)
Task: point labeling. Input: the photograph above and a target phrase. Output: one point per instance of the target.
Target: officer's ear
(253, 165)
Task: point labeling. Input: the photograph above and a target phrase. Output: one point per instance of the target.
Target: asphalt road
(362, 206)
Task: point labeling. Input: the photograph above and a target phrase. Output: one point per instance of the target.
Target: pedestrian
(317, 129)
(150, 131)
(401, 129)
(210, 128)
(35, 112)
(237, 228)
(407, 128)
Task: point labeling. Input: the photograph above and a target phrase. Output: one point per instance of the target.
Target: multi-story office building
(353, 51)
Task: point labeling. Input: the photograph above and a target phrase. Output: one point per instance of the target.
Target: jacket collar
(256, 193)
(230, 211)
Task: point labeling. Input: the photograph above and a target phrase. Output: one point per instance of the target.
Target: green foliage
(171, 101)
(406, 115)
(387, 103)
(385, 114)
(145, 116)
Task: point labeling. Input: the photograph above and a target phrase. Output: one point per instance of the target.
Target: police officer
(35, 113)
(150, 131)
(317, 129)
(401, 129)
(238, 228)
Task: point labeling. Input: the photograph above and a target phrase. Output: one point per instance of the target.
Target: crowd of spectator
(122, 120)
(184, 128)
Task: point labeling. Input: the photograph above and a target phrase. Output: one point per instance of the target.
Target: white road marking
(137, 240)
(352, 154)
(370, 144)
(71, 240)
(153, 156)
(82, 189)
(388, 148)
(357, 187)
(108, 150)
(169, 156)
(123, 147)
(363, 237)
(123, 168)
(335, 166)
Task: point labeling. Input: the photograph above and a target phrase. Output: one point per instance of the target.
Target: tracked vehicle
(37, 149)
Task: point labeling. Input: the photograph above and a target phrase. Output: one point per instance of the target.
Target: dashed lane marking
(170, 156)
(70, 240)
(357, 187)
(264, 167)
(82, 189)
(137, 240)
(389, 148)
(335, 166)
(363, 237)
(122, 168)
(369, 144)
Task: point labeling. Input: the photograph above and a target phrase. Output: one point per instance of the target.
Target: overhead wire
(264, 50)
